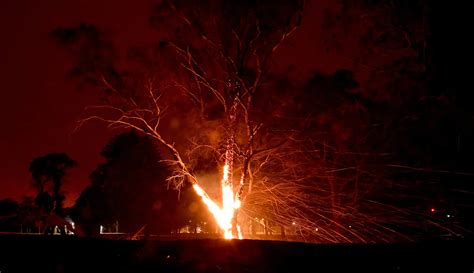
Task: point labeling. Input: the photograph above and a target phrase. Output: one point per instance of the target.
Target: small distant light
(448, 215)
(433, 210)
(294, 223)
(316, 229)
(350, 226)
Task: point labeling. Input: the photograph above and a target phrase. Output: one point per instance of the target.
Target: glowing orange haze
(225, 214)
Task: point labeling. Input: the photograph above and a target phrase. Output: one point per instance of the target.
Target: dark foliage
(48, 170)
(131, 188)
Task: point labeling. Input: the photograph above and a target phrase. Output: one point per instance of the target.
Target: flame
(225, 214)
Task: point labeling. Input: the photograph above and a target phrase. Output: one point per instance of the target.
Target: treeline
(127, 193)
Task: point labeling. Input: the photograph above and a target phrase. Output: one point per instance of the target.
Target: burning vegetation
(304, 155)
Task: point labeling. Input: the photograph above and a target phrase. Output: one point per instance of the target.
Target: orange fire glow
(225, 214)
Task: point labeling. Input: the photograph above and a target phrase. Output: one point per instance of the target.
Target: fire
(224, 215)
(230, 204)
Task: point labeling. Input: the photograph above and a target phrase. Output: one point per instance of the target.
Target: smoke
(94, 54)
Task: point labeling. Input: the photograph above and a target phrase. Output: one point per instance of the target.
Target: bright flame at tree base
(224, 216)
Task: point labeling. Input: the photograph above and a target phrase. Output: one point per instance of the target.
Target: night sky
(40, 107)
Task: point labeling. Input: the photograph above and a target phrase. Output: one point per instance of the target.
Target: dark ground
(69, 254)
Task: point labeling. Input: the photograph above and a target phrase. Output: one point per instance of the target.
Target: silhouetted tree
(21, 216)
(50, 169)
(131, 188)
(8, 206)
(45, 202)
(8, 213)
(29, 215)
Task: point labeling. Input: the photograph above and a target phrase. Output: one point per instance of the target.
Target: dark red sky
(39, 107)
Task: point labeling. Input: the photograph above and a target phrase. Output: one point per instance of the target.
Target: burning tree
(219, 66)
(208, 93)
